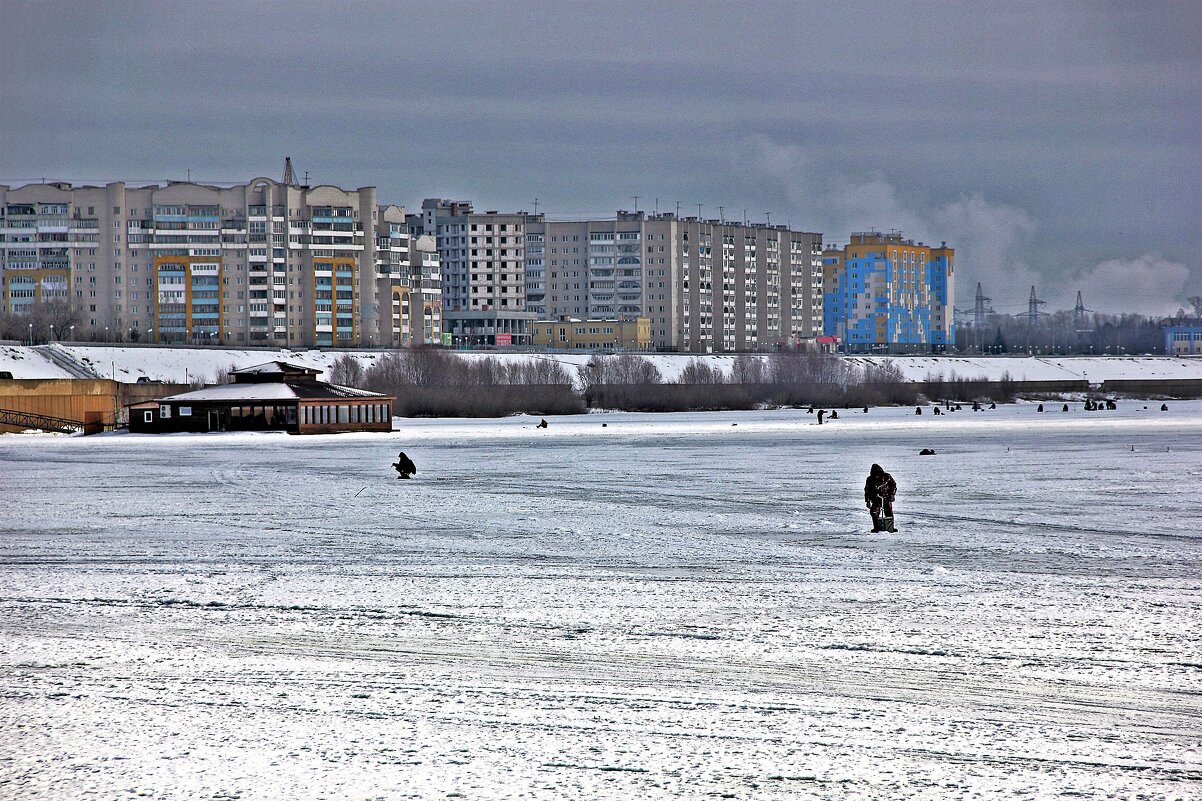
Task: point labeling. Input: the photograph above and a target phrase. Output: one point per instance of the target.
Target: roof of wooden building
(268, 392)
(275, 371)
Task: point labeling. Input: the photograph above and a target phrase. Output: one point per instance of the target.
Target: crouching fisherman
(404, 466)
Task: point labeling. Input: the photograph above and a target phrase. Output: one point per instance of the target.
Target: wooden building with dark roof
(276, 396)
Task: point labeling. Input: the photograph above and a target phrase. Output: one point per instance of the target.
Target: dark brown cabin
(276, 396)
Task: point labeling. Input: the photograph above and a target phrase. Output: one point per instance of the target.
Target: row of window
(345, 414)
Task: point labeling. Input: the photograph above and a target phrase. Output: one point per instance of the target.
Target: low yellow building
(83, 400)
(568, 333)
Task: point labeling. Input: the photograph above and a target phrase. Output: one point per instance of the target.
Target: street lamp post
(31, 335)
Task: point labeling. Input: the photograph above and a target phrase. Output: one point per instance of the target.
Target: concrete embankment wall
(1155, 387)
(1138, 388)
(971, 389)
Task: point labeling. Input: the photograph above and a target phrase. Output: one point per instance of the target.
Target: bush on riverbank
(434, 383)
(789, 378)
(428, 382)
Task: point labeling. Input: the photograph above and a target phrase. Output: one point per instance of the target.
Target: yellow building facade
(591, 335)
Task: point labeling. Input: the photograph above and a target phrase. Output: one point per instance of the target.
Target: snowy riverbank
(178, 365)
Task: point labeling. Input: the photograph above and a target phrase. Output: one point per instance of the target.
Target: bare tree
(347, 372)
(386, 373)
(225, 375)
(43, 321)
(748, 369)
(429, 367)
(697, 371)
(487, 371)
(427, 382)
(801, 367)
(625, 368)
(887, 373)
(593, 373)
(537, 372)
(630, 369)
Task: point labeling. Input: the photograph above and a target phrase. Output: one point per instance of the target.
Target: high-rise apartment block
(882, 292)
(624, 268)
(483, 263)
(748, 287)
(262, 263)
(705, 285)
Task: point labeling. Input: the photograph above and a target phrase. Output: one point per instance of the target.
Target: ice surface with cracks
(669, 606)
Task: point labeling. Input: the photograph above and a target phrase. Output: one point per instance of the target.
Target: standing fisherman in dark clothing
(879, 491)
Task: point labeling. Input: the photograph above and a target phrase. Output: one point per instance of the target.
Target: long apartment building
(705, 285)
(886, 293)
(261, 263)
(482, 261)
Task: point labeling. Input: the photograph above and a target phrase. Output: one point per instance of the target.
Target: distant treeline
(437, 383)
(1063, 332)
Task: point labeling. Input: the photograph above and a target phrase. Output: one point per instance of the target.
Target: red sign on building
(504, 339)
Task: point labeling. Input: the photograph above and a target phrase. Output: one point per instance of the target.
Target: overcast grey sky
(1051, 143)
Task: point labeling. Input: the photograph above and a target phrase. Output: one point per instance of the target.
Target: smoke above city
(995, 242)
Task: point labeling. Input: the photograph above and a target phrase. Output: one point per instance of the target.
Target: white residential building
(482, 259)
(705, 285)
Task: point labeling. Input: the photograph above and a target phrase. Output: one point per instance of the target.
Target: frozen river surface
(674, 606)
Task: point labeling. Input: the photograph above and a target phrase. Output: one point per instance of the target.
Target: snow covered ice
(669, 606)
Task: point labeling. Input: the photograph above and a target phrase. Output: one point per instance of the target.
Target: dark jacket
(879, 487)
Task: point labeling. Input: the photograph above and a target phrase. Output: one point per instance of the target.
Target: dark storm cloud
(1055, 144)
